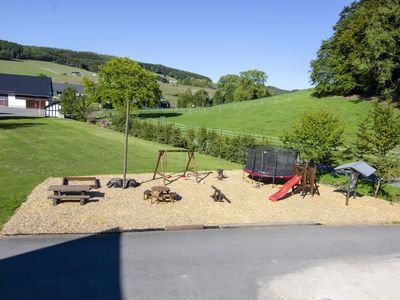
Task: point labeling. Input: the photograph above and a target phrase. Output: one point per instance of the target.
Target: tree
(74, 105)
(218, 98)
(201, 98)
(251, 85)
(246, 86)
(69, 101)
(256, 77)
(227, 85)
(362, 56)
(316, 134)
(377, 135)
(185, 99)
(122, 80)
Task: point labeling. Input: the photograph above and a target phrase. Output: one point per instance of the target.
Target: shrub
(316, 134)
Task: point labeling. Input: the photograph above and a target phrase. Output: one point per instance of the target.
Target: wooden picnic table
(62, 192)
(161, 193)
(160, 188)
(94, 182)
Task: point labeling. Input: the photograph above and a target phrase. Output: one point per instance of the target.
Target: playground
(126, 209)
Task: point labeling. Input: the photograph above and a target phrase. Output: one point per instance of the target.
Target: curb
(175, 228)
(269, 224)
(184, 227)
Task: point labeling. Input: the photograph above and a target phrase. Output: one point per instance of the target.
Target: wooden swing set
(162, 161)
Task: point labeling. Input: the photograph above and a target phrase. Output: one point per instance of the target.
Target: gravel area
(125, 209)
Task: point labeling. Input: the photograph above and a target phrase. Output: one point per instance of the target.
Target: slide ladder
(285, 188)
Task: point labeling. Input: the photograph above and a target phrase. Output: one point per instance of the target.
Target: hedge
(203, 141)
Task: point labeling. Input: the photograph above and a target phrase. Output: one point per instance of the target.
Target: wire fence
(273, 140)
(258, 137)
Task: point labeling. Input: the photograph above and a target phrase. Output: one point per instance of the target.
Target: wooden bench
(81, 198)
(62, 192)
(94, 182)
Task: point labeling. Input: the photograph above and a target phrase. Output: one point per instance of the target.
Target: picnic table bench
(94, 182)
(65, 192)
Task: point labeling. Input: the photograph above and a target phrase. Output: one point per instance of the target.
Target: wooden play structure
(169, 176)
(304, 182)
(308, 183)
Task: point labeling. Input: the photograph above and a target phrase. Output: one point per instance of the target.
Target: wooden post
(124, 185)
(158, 163)
(163, 166)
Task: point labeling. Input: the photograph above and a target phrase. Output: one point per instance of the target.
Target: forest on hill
(81, 59)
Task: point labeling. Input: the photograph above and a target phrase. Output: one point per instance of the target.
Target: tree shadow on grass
(159, 115)
(8, 126)
(21, 122)
(84, 268)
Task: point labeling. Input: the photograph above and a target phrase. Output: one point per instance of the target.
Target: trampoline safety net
(271, 162)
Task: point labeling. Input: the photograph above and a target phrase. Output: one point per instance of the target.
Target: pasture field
(57, 72)
(268, 116)
(33, 149)
(170, 91)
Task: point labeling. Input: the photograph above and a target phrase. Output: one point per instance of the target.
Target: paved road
(315, 262)
(20, 112)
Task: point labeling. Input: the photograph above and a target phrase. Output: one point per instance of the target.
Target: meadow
(58, 73)
(267, 116)
(33, 149)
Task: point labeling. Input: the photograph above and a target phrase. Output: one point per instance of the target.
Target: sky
(212, 38)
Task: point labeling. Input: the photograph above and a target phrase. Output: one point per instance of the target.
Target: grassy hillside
(90, 61)
(171, 90)
(277, 91)
(58, 73)
(267, 116)
(33, 149)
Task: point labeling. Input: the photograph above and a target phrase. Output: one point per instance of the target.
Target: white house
(52, 110)
(23, 91)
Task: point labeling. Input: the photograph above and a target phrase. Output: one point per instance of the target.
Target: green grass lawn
(33, 149)
(269, 116)
(34, 67)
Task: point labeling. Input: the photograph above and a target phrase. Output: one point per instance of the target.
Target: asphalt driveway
(20, 112)
(303, 262)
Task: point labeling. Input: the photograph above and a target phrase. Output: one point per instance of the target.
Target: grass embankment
(387, 192)
(34, 149)
(267, 116)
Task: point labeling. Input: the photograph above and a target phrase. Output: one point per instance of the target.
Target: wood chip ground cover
(125, 209)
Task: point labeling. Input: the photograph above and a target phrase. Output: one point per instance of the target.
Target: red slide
(285, 188)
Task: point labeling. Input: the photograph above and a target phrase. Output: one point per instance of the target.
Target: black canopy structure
(272, 162)
(353, 170)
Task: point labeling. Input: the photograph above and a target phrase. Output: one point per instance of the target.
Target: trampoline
(271, 162)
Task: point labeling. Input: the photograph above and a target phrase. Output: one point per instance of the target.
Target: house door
(35, 104)
(4, 100)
